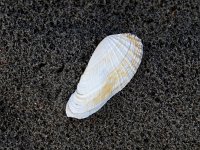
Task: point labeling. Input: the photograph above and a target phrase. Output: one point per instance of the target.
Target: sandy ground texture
(44, 48)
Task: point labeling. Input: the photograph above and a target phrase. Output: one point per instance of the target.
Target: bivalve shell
(111, 67)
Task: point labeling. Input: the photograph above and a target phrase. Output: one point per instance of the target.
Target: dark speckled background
(44, 48)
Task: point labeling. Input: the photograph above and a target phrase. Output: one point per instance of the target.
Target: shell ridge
(118, 77)
(115, 43)
(129, 49)
(118, 61)
(122, 55)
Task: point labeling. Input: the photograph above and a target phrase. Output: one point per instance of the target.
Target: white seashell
(112, 65)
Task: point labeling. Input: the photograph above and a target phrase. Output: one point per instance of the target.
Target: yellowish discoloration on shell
(135, 41)
(112, 79)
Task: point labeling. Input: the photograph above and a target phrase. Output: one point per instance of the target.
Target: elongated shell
(112, 65)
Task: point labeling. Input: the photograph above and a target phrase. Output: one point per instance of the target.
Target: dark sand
(45, 47)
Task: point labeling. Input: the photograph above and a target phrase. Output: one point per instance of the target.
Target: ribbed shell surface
(112, 65)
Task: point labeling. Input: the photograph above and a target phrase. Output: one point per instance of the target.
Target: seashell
(111, 67)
